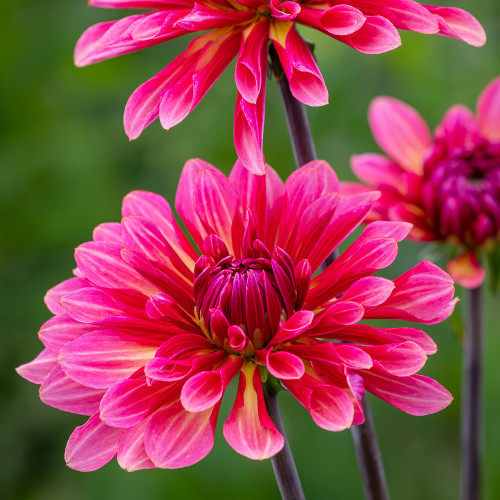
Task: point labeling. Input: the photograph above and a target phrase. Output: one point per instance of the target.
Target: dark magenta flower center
(253, 293)
(462, 192)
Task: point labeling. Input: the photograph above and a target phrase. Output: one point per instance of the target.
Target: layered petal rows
(150, 332)
(243, 29)
(446, 184)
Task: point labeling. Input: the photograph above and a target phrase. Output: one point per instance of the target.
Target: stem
(472, 397)
(369, 458)
(365, 440)
(296, 116)
(283, 464)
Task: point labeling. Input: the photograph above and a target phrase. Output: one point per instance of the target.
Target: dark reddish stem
(472, 397)
(283, 463)
(365, 440)
(296, 116)
(369, 458)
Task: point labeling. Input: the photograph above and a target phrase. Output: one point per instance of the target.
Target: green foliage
(65, 166)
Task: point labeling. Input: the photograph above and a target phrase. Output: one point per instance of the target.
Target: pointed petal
(103, 357)
(248, 429)
(131, 451)
(305, 79)
(458, 23)
(63, 393)
(154, 207)
(466, 270)
(417, 395)
(35, 371)
(488, 110)
(284, 365)
(331, 408)
(177, 438)
(400, 131)
(92, 445)
(103, 265)
(424, 294)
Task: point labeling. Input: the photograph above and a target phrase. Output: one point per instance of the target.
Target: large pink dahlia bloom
(242, 29)
(447, 185)
(148, 335)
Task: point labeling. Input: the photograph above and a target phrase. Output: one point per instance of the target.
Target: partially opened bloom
(148, 335)
(447, 185)
(242, 29)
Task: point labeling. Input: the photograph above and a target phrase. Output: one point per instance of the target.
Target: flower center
(240, 302)
(462, 193)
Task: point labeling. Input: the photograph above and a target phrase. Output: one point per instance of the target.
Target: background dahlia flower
(447, 185)
(242, 29)
(149, 333)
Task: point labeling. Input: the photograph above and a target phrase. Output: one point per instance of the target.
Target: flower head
(242, 29)
(447, 185)
(149, 333)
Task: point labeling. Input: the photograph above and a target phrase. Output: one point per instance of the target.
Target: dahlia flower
(242, 29)
(447, 185)
(149, 333)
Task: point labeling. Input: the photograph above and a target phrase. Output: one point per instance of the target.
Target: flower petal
(92, 445)
(400, 131)
(248, 429)
(178, 438)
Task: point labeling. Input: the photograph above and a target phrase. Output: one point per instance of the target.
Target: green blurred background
(65, 165)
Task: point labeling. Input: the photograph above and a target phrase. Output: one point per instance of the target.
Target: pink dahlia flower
(242, 29)
(446, 185)
(148, 335)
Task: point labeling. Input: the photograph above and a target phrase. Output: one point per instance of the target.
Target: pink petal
(89, 305)
(284, 365)
(488, 110)
(249, 131)
(211, 53)
(203, 17)
(142, 235)
(63, 393)
(302, 72)
(401, 360)
(369, 291)
(400, 131)
(61, 329)
(251, 65)
(154, 207)
(331, 408)
(458, 23)
(375, 36)
(131, 451)
(459, 128)
(92, 445)
(202, 391)
(103, 357)
(417, 395)
(103, 265)
(294, 326)
(108, 231)
(184, 199)
(262, 195)
(337, 20)
(424, 293)
(248, 429)
(128, 402)
(205, 389)
(53, 296)
(177, 438)
(378, 172)
(466, 270)
(414, 335)
(215, 203)
(35, 371)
